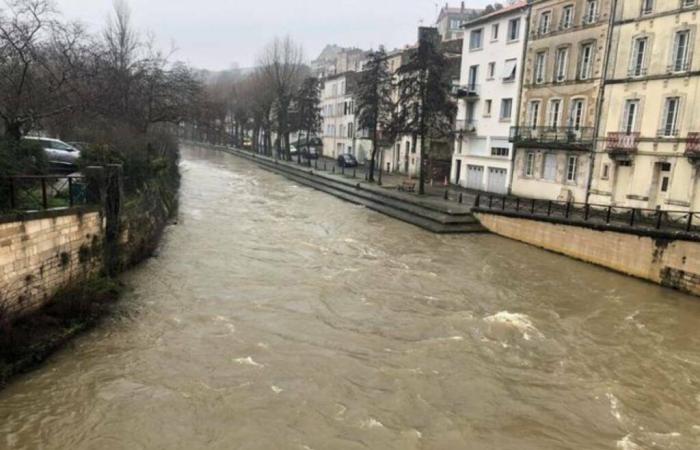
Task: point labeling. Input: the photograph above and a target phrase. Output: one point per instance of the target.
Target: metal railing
(469, 90)
(552, 135)
(678, 67)
(36, 193)
(620, 216)
(466, 126)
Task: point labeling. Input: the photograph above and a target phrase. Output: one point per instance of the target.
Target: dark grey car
(60, 155)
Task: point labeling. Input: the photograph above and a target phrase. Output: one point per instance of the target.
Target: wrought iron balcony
(637, 71)
(678, 67)
(622, 145)
(692, 147)
(667, 132)
(467, 91)
(580, 138)
(465, 126)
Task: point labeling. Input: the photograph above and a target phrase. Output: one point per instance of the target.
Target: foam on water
(520, 322)
(626, 443)
(371, 423)
(248, 362)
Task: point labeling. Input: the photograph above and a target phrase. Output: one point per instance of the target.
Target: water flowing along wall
(670, 262)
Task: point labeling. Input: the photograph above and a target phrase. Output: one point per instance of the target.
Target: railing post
(532, 210)
(461, 199)
(634, 212)
(490, 201)
(354, 172)
(447, 194)
(608, 216)
(568, 210)
(44, 197)
(342, 169)
(70, 192)
(477, 201)
(549, 208)
(13, 199)
(586, 212)
(690, 221)
(517, 204)
(659, 215)
(504, 203)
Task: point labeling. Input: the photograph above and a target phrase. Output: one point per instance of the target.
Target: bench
(407, 186)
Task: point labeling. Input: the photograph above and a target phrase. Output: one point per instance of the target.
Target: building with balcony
(488, 90)
(339, 127)
(649, 152)
(565, 63)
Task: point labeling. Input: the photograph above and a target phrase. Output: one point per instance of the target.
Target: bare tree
(281, 63)
(40, 63)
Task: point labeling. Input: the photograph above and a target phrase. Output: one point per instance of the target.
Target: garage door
(475, 177)
(498, 179)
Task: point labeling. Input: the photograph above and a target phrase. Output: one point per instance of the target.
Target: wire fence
(637, 218)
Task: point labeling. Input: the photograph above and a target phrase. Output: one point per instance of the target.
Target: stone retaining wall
(669, 262)
(41, 253)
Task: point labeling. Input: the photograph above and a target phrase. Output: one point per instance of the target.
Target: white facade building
(489, 90)
(339, 127)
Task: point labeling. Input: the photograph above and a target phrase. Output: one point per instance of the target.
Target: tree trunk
(374, 154)
(13, 131)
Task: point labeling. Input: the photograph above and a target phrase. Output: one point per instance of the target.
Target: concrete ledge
(48, 214)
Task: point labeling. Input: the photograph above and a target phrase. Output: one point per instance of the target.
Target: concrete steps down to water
(434, 216)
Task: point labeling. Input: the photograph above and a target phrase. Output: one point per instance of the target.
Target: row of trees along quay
(280, 96)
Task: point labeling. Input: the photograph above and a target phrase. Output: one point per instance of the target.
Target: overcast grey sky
(214, 34)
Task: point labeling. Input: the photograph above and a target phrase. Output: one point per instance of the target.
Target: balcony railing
(467, 91)
(667, 132)
(622, 144)
(692, 147)
(678, 66)
(637, 71)
(572, 137)
(465, 126)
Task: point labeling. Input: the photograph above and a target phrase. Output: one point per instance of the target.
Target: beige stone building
(564, 65)
(648, 155)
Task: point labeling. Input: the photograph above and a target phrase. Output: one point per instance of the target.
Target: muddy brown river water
(277, 317)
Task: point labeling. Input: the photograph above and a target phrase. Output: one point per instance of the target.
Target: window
(513, 29)
(494, 32)
(680, 51)
(629, 120)
(492, 70)
(509, 70)
(475, 39)
(671, 117)
(473, 77)
(540, 61)
(545, 21)
(554, 113)
(576, 116)
(351, 130)
(647, 7)
(605, 172)
(550, 167)
(529, 164)
(487, 108)
(567, 17)
(500, 151)
(560, 69)
(688, 3)
(591, 14)
(639, 51)
(506, 108)
(571, 168)
(584, 72)
(533, 113)
(455, 24)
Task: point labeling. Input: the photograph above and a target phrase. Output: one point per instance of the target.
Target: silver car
(59, 154)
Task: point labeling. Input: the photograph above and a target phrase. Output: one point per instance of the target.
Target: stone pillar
(112, 209)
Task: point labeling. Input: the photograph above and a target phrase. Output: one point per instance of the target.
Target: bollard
(447, 194)
(461, 198)
(354, 172)
(333, 169)
(477, 201)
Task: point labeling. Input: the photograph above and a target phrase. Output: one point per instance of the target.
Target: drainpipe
(601, 99)
(523, 60)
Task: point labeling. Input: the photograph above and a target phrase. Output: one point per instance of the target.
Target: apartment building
(488, 92)
(562, 93)
(649, 154)
(450, 20)
(339, 127)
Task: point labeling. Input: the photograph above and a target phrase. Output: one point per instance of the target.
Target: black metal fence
(636, 218)
(37, 193)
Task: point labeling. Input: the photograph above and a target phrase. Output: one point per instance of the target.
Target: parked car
(61, 156)
(293, 151)
(347, 160)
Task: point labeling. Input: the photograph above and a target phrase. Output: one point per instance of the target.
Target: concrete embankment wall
(670, 262)
(43, 252)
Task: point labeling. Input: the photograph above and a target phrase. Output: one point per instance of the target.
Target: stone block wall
(669, 262)
(43, 252)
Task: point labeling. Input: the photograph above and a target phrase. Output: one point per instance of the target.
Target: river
(278, 317)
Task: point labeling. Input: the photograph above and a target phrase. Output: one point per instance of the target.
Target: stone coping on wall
(47, 214)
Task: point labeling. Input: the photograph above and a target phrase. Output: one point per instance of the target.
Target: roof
(520, 4)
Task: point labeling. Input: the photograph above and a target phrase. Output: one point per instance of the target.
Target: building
(450, 20)
(334, 59)
(649, 152)
(488, 91)
(339, 122)
(565, 63)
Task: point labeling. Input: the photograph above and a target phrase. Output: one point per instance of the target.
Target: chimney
(462, 7)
